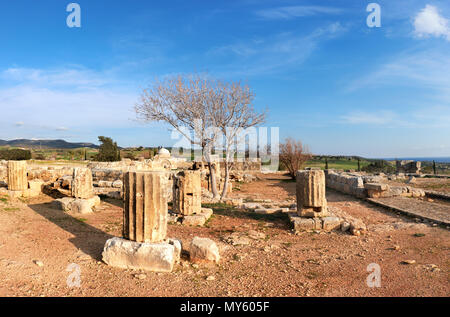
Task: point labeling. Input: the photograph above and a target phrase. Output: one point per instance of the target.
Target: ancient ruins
(167, 194)
(144, 244)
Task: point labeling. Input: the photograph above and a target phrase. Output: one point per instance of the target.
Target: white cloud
(427, 69)
(73, 77)
(428, 22)
(52, 102)
(291, 12)
(436, 117)
(383, 117)
(271, 54)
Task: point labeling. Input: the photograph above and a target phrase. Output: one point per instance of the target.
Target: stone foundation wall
(372, 186)
(345, 183)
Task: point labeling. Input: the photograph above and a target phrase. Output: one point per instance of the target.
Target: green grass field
(344, 164)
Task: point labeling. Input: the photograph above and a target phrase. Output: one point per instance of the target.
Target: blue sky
(325, 76)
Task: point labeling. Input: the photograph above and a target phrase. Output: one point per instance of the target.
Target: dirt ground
(38, 242)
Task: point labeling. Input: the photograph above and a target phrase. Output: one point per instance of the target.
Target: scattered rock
(38, 263)
(256, 235)
(204, 250)
(408, 262)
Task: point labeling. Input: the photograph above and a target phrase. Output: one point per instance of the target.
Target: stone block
(187, 192)
(311, 188)
(331, 223)
(145, 206)
(204, 250)
(376, 186)
(194, 220)
(155, 257)
(17, 176)
(82, 186)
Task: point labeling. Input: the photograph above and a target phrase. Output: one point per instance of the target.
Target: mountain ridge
(46, 144)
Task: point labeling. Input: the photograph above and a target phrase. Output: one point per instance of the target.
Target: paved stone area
(438, 212)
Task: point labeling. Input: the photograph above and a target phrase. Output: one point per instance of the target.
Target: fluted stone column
(17, 176)
(311, 200)
(187, 193)
(145, 207)
(82, 186)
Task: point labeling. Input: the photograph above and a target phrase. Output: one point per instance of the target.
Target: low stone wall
(363, 186)
(348, 184)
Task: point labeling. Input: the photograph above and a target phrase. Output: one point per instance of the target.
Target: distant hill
(46, 144)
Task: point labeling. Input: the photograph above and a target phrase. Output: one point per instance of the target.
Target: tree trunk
(225, 184)
(212, 179)
(212, 174)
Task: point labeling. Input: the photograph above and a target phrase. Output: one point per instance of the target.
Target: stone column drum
(311, 200)
(187, 193)
(145, 206)
(17, 175)
(82, 186)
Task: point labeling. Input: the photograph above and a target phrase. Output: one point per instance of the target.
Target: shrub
(293, 156)
(15, 155)
(108, 151)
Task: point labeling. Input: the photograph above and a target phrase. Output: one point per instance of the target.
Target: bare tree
(293, 155)
(232, 114)
(183, 102)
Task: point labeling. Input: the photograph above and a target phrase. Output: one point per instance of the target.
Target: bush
(380, 166)
(108, 151)
(15, 155)
(293, 156)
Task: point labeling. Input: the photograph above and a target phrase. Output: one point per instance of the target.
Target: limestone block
(331, 223)
(187, 192)
(207, 212)
(117, 184)
(77, 205)
(311, 189)
(17, 175)
(204, 250)
(82, 186)
(155, 257)
(35, 187)
(376, 186)
(145, 206)
(194, 220)
(302, 223)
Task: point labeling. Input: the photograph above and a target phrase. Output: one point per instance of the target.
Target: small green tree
(108, 151)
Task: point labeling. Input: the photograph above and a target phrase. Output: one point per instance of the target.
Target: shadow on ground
(87, 238)
(281, 219)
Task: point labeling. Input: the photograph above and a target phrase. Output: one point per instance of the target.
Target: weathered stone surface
(302, 223)
(145, 206)
(82, 183)
(376, 186)
(194, 220)
(17, 175)
(311, 200)
(187, 192)
(77, 205)
(35, 187)
(207, 212)
(204, 250)
(117, 184)
(311, 188)
(331, 223)
(156, 257)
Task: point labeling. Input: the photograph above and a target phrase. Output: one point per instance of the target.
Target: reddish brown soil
(283, 264)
